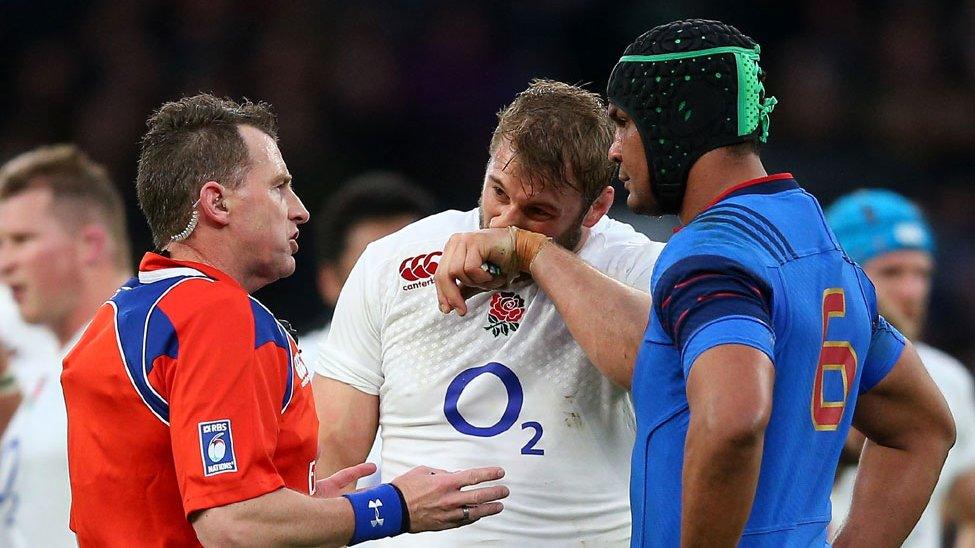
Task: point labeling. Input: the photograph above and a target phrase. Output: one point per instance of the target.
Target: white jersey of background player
(505, 385)
(34, 498)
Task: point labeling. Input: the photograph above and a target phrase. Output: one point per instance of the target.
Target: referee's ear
(213, 203)
(599, 207)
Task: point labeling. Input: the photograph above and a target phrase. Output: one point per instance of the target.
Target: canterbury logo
(420, 267)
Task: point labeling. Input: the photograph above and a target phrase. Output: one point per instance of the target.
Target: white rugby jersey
(506, 385)
(35, 493)
(955, 383)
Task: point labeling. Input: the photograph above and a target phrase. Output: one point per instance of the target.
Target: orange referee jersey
(184, 393)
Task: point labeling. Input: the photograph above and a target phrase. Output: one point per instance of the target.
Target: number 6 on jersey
(834, 356)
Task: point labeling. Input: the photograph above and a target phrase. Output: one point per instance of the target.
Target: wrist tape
(379, 512)
(527, 244)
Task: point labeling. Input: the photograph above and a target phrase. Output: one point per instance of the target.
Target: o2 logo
(516, 396)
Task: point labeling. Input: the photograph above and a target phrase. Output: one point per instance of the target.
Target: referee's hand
(340, 482)
(436, 501)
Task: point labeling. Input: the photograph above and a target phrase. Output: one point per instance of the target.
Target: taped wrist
(527, 244)
(379, 512)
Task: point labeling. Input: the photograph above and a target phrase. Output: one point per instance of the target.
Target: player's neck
(583, 237)
(714, 173)
(98, 286)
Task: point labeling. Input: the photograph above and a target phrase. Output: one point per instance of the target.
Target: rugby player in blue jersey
(763, 342)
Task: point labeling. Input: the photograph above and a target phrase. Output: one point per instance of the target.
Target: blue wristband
(379, 513)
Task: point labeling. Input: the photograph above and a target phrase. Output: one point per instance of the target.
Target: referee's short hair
(189, 142)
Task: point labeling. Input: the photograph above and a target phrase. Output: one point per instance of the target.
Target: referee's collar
(155, 267)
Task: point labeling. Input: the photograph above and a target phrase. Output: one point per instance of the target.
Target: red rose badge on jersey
(507, 309)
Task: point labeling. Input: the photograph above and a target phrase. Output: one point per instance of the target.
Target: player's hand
(461, 267)
(338, 483)
(8, 381)
(10, 394)
(435, 500)
(468, 257)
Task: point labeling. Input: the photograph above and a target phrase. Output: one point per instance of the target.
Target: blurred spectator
(889, 237)
(364, 209)
(63, 251)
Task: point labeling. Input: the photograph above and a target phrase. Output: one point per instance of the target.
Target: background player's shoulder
(946, 366)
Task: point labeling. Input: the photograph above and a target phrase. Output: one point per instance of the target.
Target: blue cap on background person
(872, 222)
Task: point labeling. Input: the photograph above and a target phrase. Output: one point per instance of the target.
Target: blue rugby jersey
(761, 268)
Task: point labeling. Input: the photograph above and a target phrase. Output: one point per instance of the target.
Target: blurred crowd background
(871, 94)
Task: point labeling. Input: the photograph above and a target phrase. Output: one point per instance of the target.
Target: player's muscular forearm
(909, 431)
(348, 420)
(729, 391)
(606, 317)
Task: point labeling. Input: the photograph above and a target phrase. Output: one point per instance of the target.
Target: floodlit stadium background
(870, 94)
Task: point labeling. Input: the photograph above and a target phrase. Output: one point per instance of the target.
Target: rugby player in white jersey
(506, 383)
(63, 251)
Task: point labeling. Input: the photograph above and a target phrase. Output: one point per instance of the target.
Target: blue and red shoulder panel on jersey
(707, 300)
(145, 332)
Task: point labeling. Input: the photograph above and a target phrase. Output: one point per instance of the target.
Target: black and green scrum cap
(690, 86)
